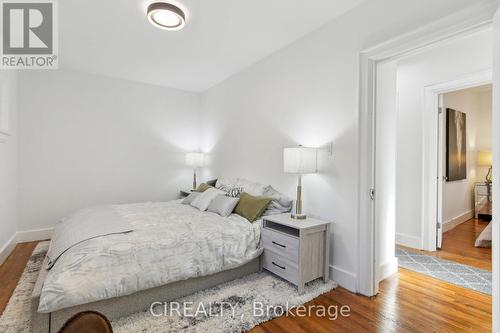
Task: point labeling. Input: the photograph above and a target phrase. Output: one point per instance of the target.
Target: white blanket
(484, 239)
(170, 242)
(83, 225)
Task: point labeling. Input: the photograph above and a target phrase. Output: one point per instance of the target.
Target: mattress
(170, 242)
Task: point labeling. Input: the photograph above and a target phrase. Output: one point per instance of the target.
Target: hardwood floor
(11, 270)
(458, 246)
(407, 302)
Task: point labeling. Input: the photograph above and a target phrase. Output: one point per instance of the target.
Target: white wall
(8, 162)
(90, 140)
(455, 60)
(484, 121)
(458, 198)
(307, 93)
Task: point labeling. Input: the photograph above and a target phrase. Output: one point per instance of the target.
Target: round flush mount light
(166, 16)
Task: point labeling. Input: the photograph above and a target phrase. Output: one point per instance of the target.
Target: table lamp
(195, 160)
(299, 160)
(485, 159)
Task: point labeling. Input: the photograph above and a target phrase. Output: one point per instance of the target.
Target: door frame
(472, 19)
(432, 176)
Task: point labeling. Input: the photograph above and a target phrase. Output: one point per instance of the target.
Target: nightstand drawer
(283, 245)
(280, 266)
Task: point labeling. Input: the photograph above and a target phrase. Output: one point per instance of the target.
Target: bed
(173, 250)
(485, 237)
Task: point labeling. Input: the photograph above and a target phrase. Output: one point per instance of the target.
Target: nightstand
(482, 200)
(185, 193)
(296, 250)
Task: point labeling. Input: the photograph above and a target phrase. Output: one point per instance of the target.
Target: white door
(496, 173)
(441, 170)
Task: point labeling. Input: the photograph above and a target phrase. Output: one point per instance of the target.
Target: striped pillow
(233, 192)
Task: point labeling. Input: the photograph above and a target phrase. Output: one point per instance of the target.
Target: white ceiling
(114, 38)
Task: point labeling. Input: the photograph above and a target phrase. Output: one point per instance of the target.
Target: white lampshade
(195, 159)
(300, 160)
(484, 158)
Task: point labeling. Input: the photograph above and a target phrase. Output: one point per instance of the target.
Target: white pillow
(204, 199)
(223, 205)
(225, 182)
(280, 203)
(190, 198)
(252, 188)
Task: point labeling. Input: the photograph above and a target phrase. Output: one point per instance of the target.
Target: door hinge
(372, 193)
(438, 225)
(440, 110)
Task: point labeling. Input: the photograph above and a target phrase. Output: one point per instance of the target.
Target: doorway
(449, 28)
(464, 194)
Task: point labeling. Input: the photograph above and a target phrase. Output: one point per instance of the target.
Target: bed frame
(117, 307)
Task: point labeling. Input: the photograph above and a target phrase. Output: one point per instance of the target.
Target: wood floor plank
(11, 270)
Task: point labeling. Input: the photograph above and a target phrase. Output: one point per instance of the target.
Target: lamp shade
(195, 159)
(484, 158)
(300, 160)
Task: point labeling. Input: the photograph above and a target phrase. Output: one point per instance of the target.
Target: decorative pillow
(233, 192)
(225, 182)
(251, 207)
(203, 187)
(187, 200)
(223, 205)
(204, 199)
(280, 203)
(250, 187)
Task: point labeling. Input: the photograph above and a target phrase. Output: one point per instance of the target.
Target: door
(440, 172)
(496, 173)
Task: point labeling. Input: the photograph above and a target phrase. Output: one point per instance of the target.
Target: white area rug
(229, 307)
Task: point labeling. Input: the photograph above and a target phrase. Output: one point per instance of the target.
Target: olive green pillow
(251, 207)
(203, 187)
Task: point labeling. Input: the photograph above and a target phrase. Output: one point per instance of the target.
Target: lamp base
(298, 216)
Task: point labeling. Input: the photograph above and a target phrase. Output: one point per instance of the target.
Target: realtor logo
(29, 39)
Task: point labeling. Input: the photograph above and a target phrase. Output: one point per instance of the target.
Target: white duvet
(170, 242)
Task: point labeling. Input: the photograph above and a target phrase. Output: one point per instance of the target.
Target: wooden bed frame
(117, 307)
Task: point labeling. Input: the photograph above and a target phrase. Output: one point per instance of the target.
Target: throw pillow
(187, 200)
(251, 207)
(203, 187)
(280, 203)
(223, 205)
(204, 199)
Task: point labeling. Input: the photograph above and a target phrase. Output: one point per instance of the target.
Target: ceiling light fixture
(166, 16)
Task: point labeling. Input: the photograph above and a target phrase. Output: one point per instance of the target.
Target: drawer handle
(283, 246)
(275, 264)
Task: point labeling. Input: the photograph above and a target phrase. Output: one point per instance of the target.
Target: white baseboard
(344, 278)
(7, 248)
(22, 237)
(387, 269)
(450, 224)
(409, 241)
(34, 235)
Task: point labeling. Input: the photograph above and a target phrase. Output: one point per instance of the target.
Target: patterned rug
(237, 298)
(449, 271)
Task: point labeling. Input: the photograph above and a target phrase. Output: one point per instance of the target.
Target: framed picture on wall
(456, 145)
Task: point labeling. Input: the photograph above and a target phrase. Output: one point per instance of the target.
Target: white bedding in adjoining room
(170, 242)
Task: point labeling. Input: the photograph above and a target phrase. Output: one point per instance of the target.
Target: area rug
(449, 271)
(236, 306)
